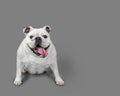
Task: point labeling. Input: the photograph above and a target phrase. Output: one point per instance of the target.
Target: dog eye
(45, 36)
(31, 37)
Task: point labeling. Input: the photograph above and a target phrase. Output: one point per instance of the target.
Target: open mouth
(38, 50)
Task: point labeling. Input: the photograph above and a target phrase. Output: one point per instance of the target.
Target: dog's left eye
(45, 36)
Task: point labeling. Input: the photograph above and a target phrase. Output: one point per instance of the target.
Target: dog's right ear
(26, 30)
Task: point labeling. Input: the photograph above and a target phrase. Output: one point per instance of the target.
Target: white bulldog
(36, 53)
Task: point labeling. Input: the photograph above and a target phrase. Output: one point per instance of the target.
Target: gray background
(86, 35)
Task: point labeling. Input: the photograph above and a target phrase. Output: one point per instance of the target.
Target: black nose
(38, 40)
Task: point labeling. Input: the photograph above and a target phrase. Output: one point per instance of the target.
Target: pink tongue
(42, 51)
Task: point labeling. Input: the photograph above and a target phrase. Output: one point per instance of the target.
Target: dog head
(38, 39)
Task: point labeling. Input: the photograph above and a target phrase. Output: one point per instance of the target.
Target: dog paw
(18, 83)
(60, 82)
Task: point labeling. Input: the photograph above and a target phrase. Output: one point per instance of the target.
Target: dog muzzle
(40, 51)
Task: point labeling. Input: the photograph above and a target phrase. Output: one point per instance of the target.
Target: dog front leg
(58, 79)
(18, 79)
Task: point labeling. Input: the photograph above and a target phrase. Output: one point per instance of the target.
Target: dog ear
(47, 28)
(26, 30)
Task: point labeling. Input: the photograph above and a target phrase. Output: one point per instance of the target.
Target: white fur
(28, 61)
